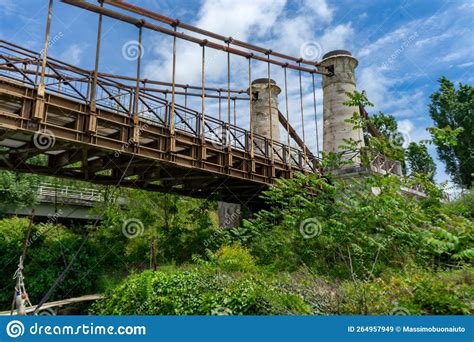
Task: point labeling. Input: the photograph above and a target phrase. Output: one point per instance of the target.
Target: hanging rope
(315, 117)
(20, 296)
(60, 278)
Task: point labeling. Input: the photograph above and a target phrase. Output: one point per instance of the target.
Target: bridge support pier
(335, 113)
(230, 215)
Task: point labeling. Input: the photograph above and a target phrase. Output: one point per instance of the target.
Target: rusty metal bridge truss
(110, 129)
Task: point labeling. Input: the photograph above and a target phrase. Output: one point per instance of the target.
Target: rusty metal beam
(294, 135)
(372, 129)
(131, 20)
(175, 22)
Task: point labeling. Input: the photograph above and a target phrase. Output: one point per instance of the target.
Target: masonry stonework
(335, 114)
(262, 109)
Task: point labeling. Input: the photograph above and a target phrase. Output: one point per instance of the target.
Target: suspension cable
(228, 93)
(287, 117)
(250, 110)
(220, 104)
(173, 81)
(203, 127)
(315, 117)
(137, 88)
(270, 108)
(302, 116)
(235, 122)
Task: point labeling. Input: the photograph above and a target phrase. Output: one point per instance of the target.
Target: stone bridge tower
(335, 128)
(265, 104)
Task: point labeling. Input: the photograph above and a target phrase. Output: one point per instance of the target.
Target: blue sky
(403, 47)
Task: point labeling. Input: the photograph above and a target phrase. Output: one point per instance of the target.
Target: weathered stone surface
(230, 214)
(262, 108)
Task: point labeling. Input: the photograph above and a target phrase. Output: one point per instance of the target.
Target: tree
(453, 108)
(386, 124)
(390, 143)
(17, 190)
(420, 160)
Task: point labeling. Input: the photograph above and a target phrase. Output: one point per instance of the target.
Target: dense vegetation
(324, 246)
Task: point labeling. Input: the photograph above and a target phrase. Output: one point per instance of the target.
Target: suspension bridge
(58, 119)
(114, 129)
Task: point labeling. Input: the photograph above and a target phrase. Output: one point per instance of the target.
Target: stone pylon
(335, 113)
(262, 108)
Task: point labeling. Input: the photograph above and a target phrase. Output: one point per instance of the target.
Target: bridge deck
(191, 159)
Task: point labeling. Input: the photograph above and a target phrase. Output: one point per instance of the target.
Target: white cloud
(337, 37)
(73, 54)
(465, 65)
(240, 19)
(264, 23)
(321, 9)
(7, 6)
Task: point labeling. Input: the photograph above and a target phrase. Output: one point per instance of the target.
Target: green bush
(354, 229)
(463, 206)
(199, 292)
(234, 258)
(416, 293)
(51, 247)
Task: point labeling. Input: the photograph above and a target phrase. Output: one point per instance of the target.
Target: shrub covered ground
(323, 246)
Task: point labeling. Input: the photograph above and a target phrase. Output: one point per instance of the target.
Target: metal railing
(48, 192)
(117, 94)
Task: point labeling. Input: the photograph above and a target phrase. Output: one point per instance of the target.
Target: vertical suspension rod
(203, 64)
(302, 117)
(270, 106)
(250, 109)
(287, 117)
(315, 117)
(45, 49)
(93, 90)
(173, 82)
